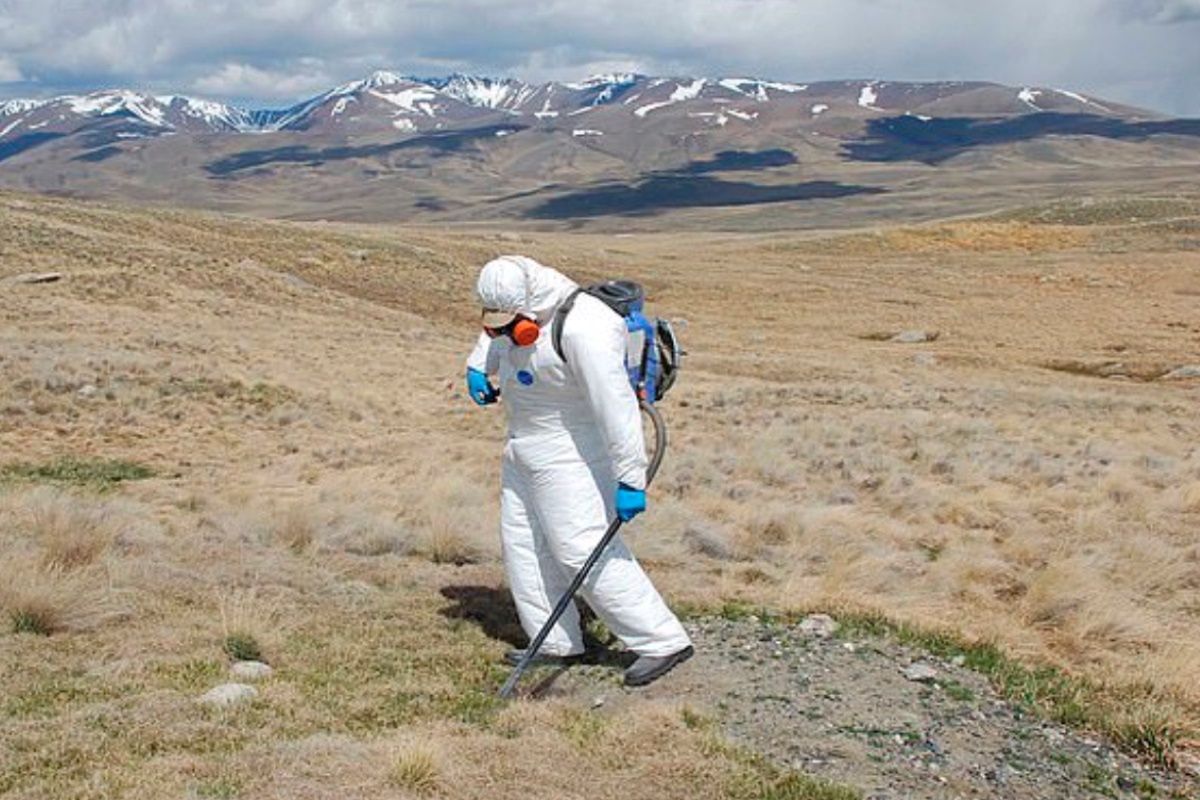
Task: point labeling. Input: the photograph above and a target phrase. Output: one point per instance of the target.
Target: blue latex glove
(630, 502)
(480, 388)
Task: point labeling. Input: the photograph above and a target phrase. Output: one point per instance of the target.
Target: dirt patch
(843, 709)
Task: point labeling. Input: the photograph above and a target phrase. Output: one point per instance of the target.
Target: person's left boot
(648, 669)
(543, 659)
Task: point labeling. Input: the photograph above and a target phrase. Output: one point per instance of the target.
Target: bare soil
(842, 709)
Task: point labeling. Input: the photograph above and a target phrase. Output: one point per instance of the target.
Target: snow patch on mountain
(1029, 97)
(718, 118)
(682, 94)
(586, 132)
(751, 87)
(105, 104)
(11, 127)
(868, 97)
(609, 79)
(1081, 99)
(20, 106)
(818, 109)
(546, 112)
(745, 116)
(412, 101)
(503, 94)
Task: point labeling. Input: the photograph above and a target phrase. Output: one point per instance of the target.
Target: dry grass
(49, 600)
(416, 768)
(324, 488)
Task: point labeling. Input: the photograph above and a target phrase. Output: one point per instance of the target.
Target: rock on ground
(920, 672)
(250, 670)
(37, 277)
(229, 694)
(1183, 373)
(821, 626)
(914, 337)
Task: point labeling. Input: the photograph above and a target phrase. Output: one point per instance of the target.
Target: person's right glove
(630, 502)
(480, 388)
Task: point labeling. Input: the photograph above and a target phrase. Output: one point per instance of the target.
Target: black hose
(660, 449)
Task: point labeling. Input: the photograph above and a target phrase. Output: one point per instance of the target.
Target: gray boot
(648, 669)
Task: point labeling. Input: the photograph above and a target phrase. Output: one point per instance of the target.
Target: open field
(217, 431)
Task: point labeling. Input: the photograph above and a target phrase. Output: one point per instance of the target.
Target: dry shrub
(1189, 498)
(446, 542)
(297, 529)
(41, 599)
(72, 532)
(415, 768)
(248, 623)
(453, 510)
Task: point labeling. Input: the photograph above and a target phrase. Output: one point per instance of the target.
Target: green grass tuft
(98, 474)
(242, 647)
(24, 621)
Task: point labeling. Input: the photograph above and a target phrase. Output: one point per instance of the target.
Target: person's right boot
(648, 669)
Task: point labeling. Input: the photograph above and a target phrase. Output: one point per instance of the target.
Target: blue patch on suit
(525, 377)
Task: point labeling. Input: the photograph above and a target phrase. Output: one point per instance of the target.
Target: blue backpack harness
(653, 354)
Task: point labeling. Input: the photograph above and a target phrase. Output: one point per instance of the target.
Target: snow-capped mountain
(153, 114)
(393, 146)
(387, 102)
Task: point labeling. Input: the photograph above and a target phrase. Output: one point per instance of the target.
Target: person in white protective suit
(574, 457)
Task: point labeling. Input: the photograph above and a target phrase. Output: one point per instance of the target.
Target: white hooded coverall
(574, 431)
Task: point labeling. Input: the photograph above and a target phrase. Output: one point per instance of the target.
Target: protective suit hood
(521, 285)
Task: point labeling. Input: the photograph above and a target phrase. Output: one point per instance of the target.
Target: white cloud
(1179, 11)
(9, 71)
(272, 48)
(243, 80)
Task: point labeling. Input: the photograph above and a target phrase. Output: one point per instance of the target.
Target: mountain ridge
(463, 148)
(411, 97)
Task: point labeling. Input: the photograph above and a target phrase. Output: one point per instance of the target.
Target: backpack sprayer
(652, 361)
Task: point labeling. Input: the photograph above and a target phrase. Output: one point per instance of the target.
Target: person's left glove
(630, 502)
(480, 388)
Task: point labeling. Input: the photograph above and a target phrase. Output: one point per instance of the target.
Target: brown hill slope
(321, 485)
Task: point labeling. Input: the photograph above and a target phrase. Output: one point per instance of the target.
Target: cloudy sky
(1143, 52)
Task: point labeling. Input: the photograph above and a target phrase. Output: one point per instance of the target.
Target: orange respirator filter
(525, 332)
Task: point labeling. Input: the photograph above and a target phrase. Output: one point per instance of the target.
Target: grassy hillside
(220, 435)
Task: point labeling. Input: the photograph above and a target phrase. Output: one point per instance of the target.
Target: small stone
(38, 277)
(250, 670)
(850, 647)
(959, 661)
(920, 672)
(229, 694)
(914, 337)
(87, 390)
(599, 701)
(822, 626)
(707, 539)
(1183, 373)
(924, 359)
(295, 281)
(842, 497)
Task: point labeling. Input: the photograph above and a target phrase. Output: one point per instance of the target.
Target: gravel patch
(870, 713)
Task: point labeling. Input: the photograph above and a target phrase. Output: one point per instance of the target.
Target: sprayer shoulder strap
(560, 318)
